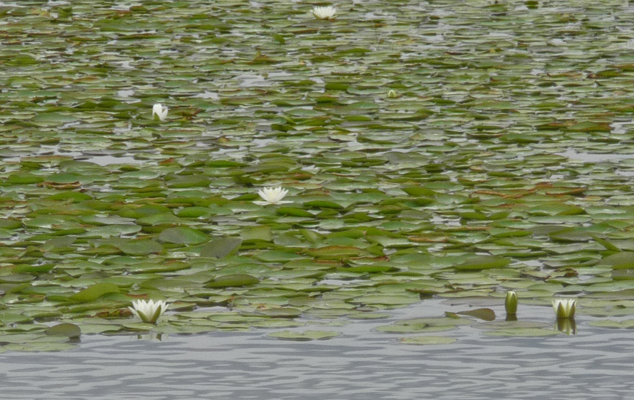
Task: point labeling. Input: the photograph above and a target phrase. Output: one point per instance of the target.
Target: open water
(361, 364)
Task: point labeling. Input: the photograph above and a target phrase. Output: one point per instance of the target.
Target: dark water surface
(361, 364)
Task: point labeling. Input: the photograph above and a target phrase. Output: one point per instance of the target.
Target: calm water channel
(361, 364)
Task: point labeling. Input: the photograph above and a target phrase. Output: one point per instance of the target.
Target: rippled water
(361, 364)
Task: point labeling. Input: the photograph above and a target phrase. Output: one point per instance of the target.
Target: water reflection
(567, 326)
(150, 336)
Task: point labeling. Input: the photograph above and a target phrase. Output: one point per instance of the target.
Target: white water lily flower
(392, 94)
(272, 196)
(159, 111)
(511, 303)
(564, 308)
(148, 311)
(324, 12)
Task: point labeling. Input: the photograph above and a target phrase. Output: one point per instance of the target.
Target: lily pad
(182, 235)
(220, 248)
(483, 262)
(140, 247)
(485, 314)
(66, 329)
(304, 336)
(427, 340)
(234, 280)
(94, 292)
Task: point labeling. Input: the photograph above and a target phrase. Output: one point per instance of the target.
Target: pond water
(596, 158)
(362, 363)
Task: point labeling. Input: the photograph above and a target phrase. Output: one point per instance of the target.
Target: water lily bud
(564, 308)
(511, 303)
(391, 94)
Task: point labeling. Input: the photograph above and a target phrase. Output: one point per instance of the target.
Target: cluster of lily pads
(450, 150)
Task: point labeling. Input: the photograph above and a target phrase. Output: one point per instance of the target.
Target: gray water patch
(208, 95)
(360, 364)
(125, 93)
(248, 80)
(109, 160)
(595, 158)
(625, 173)
(79, 156)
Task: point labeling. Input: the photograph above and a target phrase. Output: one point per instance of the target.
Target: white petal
(272, 196)
(160, 111)
(134, 312)
(324, 12)
(146, 310)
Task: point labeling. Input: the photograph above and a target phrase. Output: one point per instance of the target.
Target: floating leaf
(323, 204)
(334, 252)
(622, 260)
(523, 332)
(258, 233)
(67, 330)
(182, 235)
(279, 312)
(485, 314)
(140, 247)
(626, 324)
(304, 336)
(483, 262)
(427, 340)
(220, 248)
(233, 280)
(94, 292)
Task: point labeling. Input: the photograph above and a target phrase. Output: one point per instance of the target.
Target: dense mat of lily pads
(466, 181)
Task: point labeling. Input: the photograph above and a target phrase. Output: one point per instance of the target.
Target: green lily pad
(220, 248)
(40, 346)
(483, 262)
(182, 235)
(427, 340)
(234, 280)
(485, 314)
(523, 332)
(279, 312)
(622, 260)
(304, 336)
(66, 329)
(418, 325)
(140, 247)
(334, 252)
(94, 292)
(258, 233)
(627, 324)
